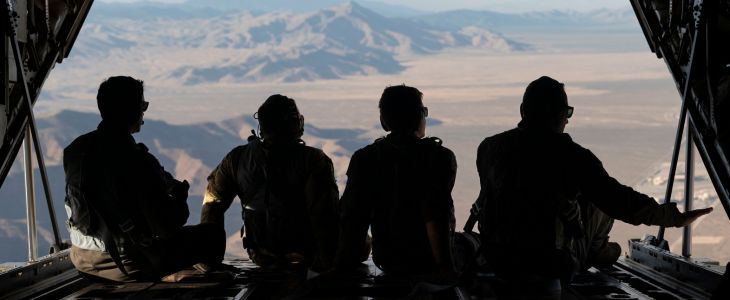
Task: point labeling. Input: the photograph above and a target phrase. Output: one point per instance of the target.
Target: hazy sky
(497, 5)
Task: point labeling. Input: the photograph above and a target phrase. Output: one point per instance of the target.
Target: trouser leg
(594, 249)
(203, 243)
(100, 264)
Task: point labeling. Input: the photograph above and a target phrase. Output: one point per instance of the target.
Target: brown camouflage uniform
(289, 198)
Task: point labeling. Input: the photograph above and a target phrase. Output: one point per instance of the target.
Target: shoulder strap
(476, 209)
(104, 230)
(254, 157)
(122, 221)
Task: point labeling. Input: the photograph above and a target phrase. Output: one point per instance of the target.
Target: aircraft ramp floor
(624, 280)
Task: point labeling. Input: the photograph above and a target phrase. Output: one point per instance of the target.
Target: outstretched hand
(692, 215)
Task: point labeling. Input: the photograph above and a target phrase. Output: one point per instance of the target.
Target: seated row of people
(547, 203)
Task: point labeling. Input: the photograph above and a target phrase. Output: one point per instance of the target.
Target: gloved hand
(179, 190)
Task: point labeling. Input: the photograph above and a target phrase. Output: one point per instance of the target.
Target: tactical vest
(276, 224)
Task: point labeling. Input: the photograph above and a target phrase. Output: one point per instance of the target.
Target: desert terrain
(626, 109)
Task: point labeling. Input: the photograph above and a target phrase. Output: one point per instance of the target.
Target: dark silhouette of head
(545, 104)
(121, 102)
(280, 119)
(402, 110)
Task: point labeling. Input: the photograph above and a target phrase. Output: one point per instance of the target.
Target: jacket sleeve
(617, 200)
(321, 199)
(355, 213)
(440, 219)
(221, 190)
(165, 213)
(441, 203)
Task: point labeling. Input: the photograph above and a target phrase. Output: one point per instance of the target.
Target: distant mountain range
(229, 42)
(197, 8)
(198, 47)
(551, 18)
(621, 19)
(187, 151)
(193, 8)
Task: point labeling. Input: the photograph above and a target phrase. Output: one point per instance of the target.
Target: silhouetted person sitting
(126, 213)
(400, 187)
(287, 190)
(547, 203)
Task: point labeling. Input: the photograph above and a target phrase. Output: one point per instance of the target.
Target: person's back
(400, 186)
(287, 190)
(547, 203)
(106, 162)
(407, 180)
(530, 199)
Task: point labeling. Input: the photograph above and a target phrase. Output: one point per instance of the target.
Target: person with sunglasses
(126, 213)
(400, 187)
(547, 204)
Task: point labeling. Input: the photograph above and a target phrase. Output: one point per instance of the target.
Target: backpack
(267, 229)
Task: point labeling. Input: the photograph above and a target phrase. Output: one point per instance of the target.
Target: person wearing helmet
(287, 190)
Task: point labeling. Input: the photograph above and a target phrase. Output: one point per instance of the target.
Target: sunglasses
(425, 111)
(145, 105)
(569, 111)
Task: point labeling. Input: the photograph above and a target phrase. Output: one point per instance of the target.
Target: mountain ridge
(620, 19)
(200, 47)
(331, 43)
